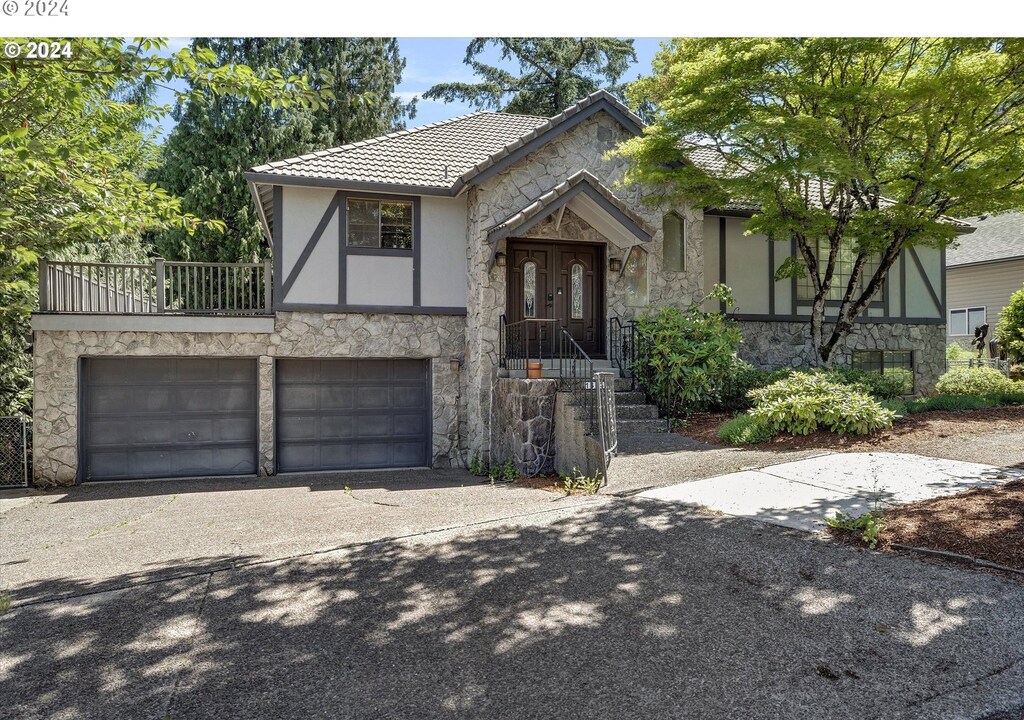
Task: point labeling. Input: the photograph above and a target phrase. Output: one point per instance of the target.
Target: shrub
(973, 381)
(805, 402)
(964, 402)
(744, 430)
(869, 525)
(1009, 332)
(958, 352)
(891, 385)
(685, 357)
(741, 379)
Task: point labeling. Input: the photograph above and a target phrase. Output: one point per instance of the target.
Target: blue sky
(434, 60)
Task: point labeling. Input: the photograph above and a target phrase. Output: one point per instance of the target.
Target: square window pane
(396, 236)
(363, 235)
(396, 213)
(957, 322)
(975, 317)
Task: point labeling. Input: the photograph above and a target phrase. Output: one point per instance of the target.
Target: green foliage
(1009, 330)
(554, 73)
(5, 601)
(579, 483)
(806, 402)
(76, 139)
(475, 466)
(217, 138)
(740, 380)
(869, 525)
(973, 381)
(892, 384)
(745, 430)
(686, 357)
(503, 472)
(899, 131)
(957, 402)
(955, 351)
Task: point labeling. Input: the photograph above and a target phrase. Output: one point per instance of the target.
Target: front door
(561, 283)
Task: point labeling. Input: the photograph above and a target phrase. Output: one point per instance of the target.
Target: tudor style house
(403, 266)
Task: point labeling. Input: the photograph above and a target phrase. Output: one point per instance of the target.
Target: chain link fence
(13, 452)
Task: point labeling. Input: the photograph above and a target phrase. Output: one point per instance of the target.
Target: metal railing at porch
(526, 340)
(163, 287)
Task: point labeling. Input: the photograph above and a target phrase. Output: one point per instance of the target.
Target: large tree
(857, 148)
(218, 137)
(74, 147)
(553, 73)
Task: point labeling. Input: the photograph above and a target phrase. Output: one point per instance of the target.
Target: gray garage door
(347, 414)
(168, 417)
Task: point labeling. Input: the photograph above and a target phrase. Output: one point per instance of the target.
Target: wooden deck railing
(164, 287)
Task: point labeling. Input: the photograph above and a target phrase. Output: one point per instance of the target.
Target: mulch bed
(984, 523)
(901, 437)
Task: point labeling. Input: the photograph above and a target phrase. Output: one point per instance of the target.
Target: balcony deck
(163, 287)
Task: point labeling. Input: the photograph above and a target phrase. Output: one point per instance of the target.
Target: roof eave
(354, 185)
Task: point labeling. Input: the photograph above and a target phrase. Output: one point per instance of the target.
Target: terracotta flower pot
(534, 370)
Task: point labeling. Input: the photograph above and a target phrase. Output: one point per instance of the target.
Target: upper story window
(634, 272)
(674, 230)
(380, 224)
(840, 277)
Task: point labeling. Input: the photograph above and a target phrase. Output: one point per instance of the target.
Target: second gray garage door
(344, 414)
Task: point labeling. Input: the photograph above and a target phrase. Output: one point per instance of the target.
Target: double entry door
(559, 283)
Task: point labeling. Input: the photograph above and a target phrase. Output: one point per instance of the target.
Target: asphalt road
(617, 608)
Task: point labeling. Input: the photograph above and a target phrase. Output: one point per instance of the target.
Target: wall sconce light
(455, 363)
(499, 259)
(614, 264)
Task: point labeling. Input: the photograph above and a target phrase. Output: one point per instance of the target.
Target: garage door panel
(337, 398)
(368, 413)
(168, 417)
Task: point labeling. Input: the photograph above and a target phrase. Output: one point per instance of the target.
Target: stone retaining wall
(438, 338)
(522, 428)
(771, 345)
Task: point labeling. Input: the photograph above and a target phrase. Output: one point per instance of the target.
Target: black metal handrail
(576, 376)
(622, 345)
(525, 340)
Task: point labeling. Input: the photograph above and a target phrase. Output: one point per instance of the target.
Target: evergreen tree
(554, 73)
(218, 138)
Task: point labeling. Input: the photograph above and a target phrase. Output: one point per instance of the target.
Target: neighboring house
(404, 269)
(982, 273)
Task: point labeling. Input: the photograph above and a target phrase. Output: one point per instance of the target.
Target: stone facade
(436, 337)
(583, 147)
(772, 345)
(523, 418)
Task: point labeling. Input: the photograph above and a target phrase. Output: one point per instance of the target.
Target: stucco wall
(434, 337)
(583, 147)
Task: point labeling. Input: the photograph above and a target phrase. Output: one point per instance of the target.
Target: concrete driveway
(802, 493)
(612, 608)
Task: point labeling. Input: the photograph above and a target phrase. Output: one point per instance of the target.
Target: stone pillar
(266, 415)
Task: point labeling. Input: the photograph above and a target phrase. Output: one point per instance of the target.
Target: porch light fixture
(614, 264)
(455, 363)
(499, 259)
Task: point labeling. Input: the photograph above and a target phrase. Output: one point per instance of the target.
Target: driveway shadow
(626, 610)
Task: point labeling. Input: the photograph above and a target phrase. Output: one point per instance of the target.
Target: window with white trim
(962, 321)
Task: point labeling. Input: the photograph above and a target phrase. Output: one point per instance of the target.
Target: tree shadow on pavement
(631, 609)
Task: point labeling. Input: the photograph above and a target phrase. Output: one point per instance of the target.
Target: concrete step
(641, 426)
(635, 412)
(630, 397)
(623, 384)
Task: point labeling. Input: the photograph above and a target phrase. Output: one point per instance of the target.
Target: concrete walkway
(800, 494)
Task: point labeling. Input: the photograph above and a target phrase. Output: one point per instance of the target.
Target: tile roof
(711, 161)
(541, 205)
(430, 156)
(996, 237)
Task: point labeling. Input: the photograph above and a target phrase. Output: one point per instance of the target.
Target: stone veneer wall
(582, 147)
(523, 424)
(772, 345)
(296, 334)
